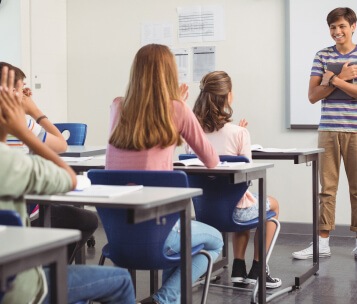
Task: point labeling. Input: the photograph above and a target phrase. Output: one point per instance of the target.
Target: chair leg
(154, 281)
(101, 260)
(208, 276)
(273, 241)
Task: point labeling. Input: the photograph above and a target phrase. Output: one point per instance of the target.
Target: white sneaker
(324, 251)
(354, 251)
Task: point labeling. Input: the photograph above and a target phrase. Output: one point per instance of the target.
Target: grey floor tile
(335, 283)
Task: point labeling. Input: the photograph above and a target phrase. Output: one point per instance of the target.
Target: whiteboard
(307, 33)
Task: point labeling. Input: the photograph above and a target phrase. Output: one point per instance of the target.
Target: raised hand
(243, 123)
(184, 92)
(12, 115)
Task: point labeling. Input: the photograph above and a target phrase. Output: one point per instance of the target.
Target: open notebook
(195, 162)
(259, 148)
(104, 190)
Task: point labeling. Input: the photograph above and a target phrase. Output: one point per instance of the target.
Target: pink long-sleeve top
(158, 158)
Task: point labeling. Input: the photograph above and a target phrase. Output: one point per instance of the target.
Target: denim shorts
(247, 214)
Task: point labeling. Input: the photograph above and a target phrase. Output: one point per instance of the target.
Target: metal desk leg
(262, 241)
(315, 226)
(58, 275)
(186, 264)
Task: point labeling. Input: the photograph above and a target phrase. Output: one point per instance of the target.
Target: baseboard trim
(306, 229)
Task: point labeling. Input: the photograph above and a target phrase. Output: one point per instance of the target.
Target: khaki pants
(337, 145)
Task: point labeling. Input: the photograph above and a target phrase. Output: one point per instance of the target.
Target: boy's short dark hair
(19, 74)
(344, 12)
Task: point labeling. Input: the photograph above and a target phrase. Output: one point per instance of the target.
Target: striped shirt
(336, 115)
(35, 128)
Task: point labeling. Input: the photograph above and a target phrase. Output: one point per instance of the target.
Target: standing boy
(338, 124)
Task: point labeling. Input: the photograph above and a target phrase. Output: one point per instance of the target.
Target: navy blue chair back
(10, 218)
(220, 197)
(77, 132)
(216, 188)
(137, 246)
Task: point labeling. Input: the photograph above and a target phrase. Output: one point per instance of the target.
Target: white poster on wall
(181, 56)
(200, 23)
(204, 61)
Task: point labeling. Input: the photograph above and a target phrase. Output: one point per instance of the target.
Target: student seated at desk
(61, 216)
(213, 111)
(146, 126)
(45, 173)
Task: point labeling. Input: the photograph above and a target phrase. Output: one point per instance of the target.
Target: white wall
(14, 20)
(34, 38)
(104, 36)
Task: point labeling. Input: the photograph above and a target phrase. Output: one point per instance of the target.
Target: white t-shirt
(35, 128)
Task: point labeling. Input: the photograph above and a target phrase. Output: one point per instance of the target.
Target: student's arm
(54, 138)
(348, 72)
(318, 87)
(12, 120)
(191, 131)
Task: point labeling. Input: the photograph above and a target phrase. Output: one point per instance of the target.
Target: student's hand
(243, 123)
(326, 78)
(184, 92)
(30, 107)
(12, 115)
(348, 72)
(27, 92)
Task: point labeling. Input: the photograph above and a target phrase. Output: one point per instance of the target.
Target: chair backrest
(10, 218)
(137, 246)
(215, 207)
(74, 133)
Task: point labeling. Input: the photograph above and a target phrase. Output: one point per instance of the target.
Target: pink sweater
(157, 158)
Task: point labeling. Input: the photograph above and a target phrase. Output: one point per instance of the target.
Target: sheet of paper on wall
(201, 23)
(204, 61)
(160, 33)
(181, 56)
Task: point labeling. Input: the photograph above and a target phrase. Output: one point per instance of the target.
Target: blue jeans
(109, 285)
(170, 290)
(252, 212)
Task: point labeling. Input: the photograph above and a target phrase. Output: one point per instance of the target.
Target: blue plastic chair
(77, 132)
(215, 207)
(10, 218)
(140, 246)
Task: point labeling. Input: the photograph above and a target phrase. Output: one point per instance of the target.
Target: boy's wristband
(40, 118)
(330, 80)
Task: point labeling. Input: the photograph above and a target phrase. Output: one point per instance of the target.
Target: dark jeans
(70, 217)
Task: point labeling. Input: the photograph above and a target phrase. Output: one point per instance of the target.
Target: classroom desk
(301, 156)
(239, 174)
(82, 151)
(23, 248)
(145, 204)
(84, 166)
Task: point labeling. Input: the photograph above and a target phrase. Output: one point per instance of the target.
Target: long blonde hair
(146, 114)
